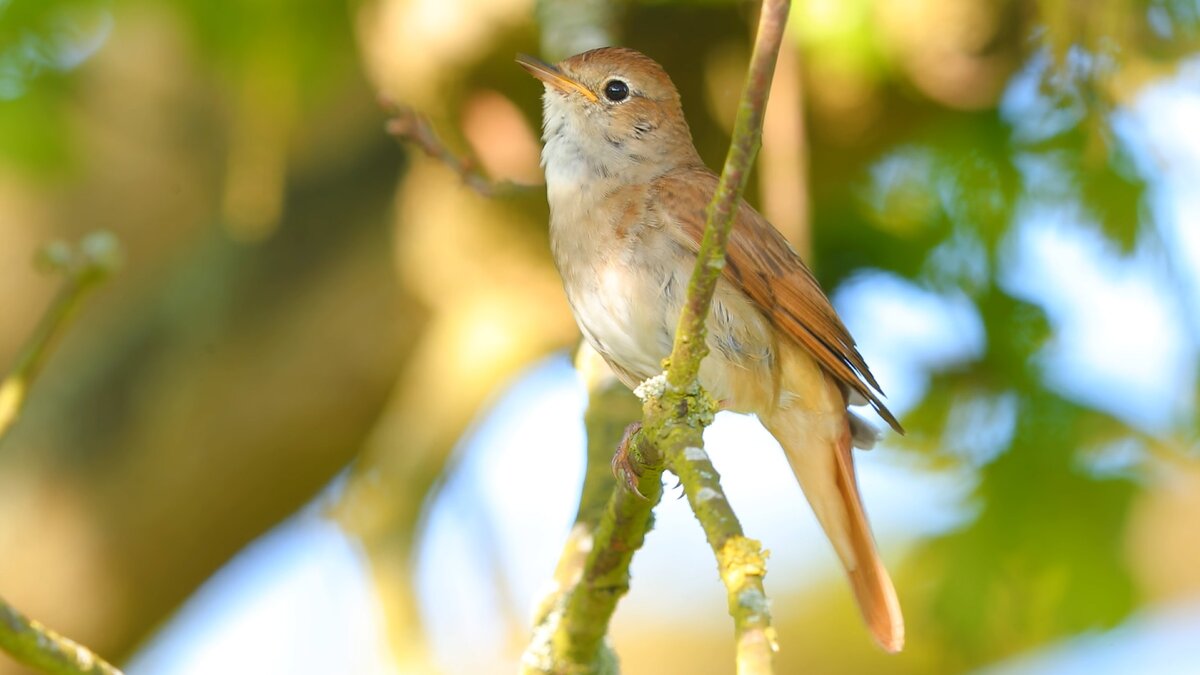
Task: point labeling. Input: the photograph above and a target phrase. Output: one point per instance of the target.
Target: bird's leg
(623, 469)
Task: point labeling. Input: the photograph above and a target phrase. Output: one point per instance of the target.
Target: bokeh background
(325, 419)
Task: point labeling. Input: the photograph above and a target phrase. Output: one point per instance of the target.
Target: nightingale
(627, 193)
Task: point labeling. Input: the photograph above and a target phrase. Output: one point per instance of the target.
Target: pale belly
(629, 314)
(624, 314)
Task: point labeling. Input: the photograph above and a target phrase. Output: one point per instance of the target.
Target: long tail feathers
(872, 586)
(818, 447)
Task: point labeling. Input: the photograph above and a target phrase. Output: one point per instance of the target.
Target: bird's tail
(812, 425)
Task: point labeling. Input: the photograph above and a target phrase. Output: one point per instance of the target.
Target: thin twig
(690, 344)
(35, 645)
(610, 524)
(405, 124)
(741, 560)
(97, 256)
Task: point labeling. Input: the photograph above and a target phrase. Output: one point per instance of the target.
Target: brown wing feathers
(762, 264)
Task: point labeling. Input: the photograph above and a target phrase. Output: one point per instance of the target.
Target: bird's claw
(623, 469)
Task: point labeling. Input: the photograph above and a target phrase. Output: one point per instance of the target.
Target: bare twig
(35, 645)
(569, 638)
(405, 124)
(690, 344)
(97, 256)
(610, 524)
(741, 560)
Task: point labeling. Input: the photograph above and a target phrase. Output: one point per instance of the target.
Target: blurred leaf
(1016, 331)
(307, 41)
(41, 41)
(33, 130)
(1113, 193)
(1044, 559)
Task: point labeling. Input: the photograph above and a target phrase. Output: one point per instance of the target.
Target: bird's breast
(626, 280)
(624, 299)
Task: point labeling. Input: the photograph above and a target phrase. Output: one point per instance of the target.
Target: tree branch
(569, 639)
(741, 561)
(35, 645)
(98, 255)
(690, 336)
(405, 124)
(610, 524)
(571, 623)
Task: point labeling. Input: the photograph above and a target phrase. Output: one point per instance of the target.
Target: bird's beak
(553, 76)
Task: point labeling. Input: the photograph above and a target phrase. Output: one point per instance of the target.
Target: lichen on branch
(672, 419)
(569, 637)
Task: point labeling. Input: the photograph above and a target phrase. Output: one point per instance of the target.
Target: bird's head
(610, 113)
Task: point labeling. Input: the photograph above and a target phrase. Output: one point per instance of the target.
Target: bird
(627, 192)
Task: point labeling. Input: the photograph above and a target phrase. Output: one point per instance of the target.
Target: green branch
(690, 336)
(97, 256)
(35, 645)
(610, 524)
(740, 560)
(577, 626)
(593, 569)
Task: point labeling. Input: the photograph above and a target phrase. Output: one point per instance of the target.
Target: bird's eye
(616, 91)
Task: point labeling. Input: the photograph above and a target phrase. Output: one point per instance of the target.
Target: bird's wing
(766, 268)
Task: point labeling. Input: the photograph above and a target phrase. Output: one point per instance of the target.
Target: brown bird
(627, 193)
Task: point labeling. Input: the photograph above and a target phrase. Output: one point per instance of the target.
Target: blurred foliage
(36, 41)
(299, 298)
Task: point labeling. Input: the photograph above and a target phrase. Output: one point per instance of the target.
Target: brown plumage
(627, 195)
(761, 263)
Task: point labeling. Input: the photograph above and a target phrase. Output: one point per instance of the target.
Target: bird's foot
(623, 469)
